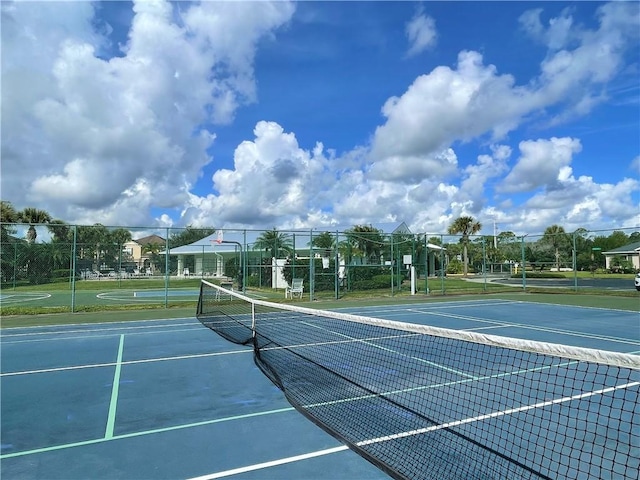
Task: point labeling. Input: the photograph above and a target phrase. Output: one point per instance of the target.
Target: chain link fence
(61, 267)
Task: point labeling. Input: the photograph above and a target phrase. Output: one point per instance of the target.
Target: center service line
(111, 419)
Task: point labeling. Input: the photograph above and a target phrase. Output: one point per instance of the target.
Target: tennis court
(170, 399)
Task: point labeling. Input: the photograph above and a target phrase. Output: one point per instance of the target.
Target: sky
(323, 115)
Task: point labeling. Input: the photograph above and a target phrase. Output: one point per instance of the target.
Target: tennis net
(422, 402)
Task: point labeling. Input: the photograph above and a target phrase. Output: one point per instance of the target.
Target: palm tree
(556, 237)
(465, 226)
(152, 250)
(91, 241)
(60, 230)
(367, 240)
(325, 242)
(8, 215)
(33, 216)
(273, 242)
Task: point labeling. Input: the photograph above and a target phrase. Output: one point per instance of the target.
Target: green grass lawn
(116, 300)
(92, 296)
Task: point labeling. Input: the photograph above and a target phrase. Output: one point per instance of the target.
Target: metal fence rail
(92, 266)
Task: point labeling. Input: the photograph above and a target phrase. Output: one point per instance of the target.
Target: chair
(296, 288)
(228, 286)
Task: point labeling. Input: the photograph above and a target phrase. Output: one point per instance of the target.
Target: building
(207, 256)
(630, 253)
(140, 251)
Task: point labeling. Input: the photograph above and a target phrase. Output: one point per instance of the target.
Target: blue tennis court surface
(170, 399)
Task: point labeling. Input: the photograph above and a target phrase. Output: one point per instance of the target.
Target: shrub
(455, 266)
(539, 275)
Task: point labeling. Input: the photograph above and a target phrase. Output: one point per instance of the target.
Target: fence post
(524, 274)
(15, 263)
(337, 266)
(312, 261)
(426, 265)
(392, 262)
(166, 269)
(244, 264)
(575, 265)
(484, 263)
(73, 268)
(442, 266)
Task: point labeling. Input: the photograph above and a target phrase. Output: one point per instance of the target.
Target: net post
(253, 321)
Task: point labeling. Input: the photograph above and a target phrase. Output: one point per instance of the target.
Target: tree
(509, 246)
(120, 236)
(189, 235)
(153, 250)
(33, 216)
(325, 242)
(466, 226)
(60, 230)
(583, 252)
(556, 238)
(274, 242)
(617, 239)
(8, 215)
(91, 242)
(366, 240)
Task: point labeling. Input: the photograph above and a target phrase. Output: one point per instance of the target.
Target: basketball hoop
(220, 236)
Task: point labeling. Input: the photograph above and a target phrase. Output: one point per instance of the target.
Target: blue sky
(323, 114)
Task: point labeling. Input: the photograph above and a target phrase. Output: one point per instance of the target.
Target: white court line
(178, 357)
(586, 307)
(419, 431)
(437, 306)
(276, 411)
(65, 331)
(501, 413)
(501, 323)
(62, 326)
(24, 297)
(272, 463)
(155, 431)
(115, 386)
(106, 335)
(380, 347)
(129, 362)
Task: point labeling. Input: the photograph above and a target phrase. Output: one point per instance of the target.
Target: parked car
(637, 281)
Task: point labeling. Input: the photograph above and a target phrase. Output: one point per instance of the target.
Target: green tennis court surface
(169, 399)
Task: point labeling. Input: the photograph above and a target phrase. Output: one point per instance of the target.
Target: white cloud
(412, 169)
(476, 177)
(473, 99)
(447, 105)
(273, 178)
(421, 33)
(556, 35)
(581, 61)
(105, 127)
(542, 163)
(581, 202)
(106, 140)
